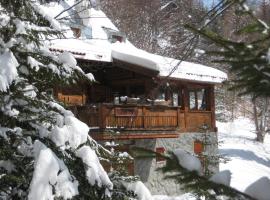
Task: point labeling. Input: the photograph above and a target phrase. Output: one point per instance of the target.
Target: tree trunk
(256, 121)
(260, 120)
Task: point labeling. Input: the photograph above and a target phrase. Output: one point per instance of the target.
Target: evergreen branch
(191, 181)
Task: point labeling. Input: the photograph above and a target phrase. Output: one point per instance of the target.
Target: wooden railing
(141, 117)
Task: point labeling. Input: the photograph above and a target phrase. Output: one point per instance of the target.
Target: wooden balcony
(134, 119)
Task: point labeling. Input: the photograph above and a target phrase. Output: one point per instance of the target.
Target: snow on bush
(139, 189)
(260, 189)
(71, 133)
(94, 171)
(7, 165)
(50, 174)
(67, 59)
(8, 69)
(188, 161)
(223, 177)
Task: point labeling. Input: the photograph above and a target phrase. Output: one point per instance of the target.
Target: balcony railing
(141, 117)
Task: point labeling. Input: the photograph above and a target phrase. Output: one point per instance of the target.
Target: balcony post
(186, 106)
(102, 116)
(143, 116)
(212, 106)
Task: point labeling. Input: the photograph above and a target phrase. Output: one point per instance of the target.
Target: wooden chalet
(132, 93)
(138, 102)
(133, 102)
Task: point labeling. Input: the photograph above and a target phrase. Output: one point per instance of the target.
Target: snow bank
(50, 174)
(94, 171)
(260, 189)
(139, 189)
(237, 142)
(188, 161)
(8, 69)
(223, 177)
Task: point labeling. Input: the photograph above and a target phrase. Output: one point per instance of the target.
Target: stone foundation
(146, 167)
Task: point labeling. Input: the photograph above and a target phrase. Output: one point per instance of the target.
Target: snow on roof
(84, 49)
(128, 53)
(100, 48)
(184, 70)
(190, 71)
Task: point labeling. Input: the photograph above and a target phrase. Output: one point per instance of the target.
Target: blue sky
(209, 3)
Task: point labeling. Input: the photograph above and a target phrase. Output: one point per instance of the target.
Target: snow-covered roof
(100, 48)
(183, 70)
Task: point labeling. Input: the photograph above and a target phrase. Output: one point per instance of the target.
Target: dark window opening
(198, 99)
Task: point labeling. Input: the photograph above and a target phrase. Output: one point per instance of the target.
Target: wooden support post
(178, 118)
(102, 117)
(212, 106)
(186, 105)
(143, 117)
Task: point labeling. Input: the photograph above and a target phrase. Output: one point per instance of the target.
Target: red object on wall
(198, 147)
(160, 150)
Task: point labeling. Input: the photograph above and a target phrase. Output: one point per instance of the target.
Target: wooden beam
(98, 136)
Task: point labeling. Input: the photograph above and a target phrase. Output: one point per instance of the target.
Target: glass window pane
(175, 99)
(192, 100)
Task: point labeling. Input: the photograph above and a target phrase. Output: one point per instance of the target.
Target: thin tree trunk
(259, 121)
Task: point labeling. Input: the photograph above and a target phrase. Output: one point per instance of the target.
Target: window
(198, 99)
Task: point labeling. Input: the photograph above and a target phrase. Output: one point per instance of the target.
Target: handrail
(141, 117)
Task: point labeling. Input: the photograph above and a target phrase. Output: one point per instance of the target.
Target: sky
(209, 3)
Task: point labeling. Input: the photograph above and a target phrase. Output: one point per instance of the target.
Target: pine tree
(248, 56)
(45, 152)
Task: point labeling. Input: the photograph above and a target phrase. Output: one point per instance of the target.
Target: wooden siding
(72, 99)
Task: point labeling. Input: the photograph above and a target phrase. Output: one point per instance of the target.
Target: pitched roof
(100, 47)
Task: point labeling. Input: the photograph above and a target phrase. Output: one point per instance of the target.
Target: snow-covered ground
(249, 160)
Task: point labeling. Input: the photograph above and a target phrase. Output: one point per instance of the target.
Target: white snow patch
(249, 160)
(34, 64)
(70, 134)
(188, 161)
(50, 171)
(128, 53)
(90, 76)
(181, 70)
(94, 171)
(67, 59)
(139, 189)
(8, 69)
(47, 15)
(260, 189)
(223, 177)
